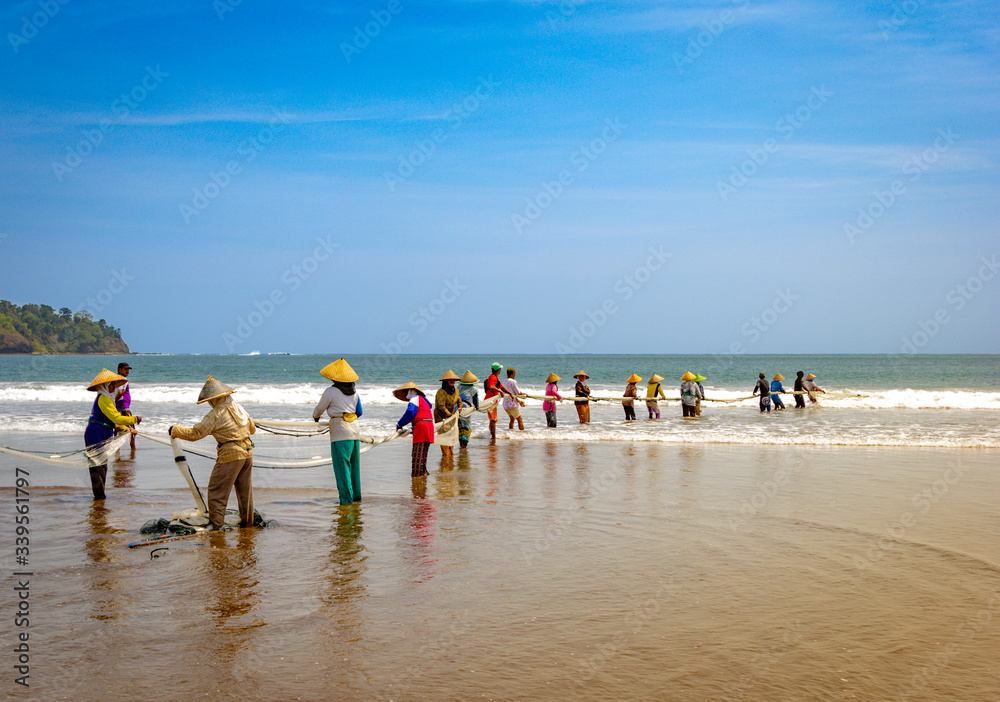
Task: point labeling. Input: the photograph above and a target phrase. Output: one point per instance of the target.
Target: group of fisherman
(232, 427)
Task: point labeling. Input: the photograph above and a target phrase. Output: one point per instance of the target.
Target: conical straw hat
(553, 378)
(339, 371)
(105, 376)
(688, 376)
(213, 389)
(810, 376)
(634, 378)
(577, 375)
(401, 392)
(700, 378)
(778, 376)
(450, 375)
(469, 378)
(655, 378)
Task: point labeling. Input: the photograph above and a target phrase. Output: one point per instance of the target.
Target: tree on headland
(40, 329)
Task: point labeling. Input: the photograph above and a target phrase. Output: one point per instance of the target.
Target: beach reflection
(123, 469)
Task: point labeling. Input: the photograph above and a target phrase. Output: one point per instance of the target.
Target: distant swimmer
(653, 391)
(690, 394)
(447, 402)
(800, 391)
(699, 379)
(582, 408)
(776, 389)
(342, 403)
(512, 404)
(231, 427)
(631, 392)
(549, 407)
(765, 394)
(420, 414)
(812, 387)
(105, 421)
(470, 398)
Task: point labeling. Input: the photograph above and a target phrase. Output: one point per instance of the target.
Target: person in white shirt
(512, 404)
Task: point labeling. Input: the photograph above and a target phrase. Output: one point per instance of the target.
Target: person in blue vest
(105, 421)
(776, 389)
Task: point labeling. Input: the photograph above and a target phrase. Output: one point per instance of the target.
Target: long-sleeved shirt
(511, 386)
(582, 391)
(469, 394)
(446, 404)
(776, 387)
(654, 390)
(233, 438)
(336, 404)
(690, 394)
(105, 406)
(763, 388)
(552, 391)
(631, 392)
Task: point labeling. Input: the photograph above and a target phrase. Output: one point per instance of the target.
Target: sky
(504, 176)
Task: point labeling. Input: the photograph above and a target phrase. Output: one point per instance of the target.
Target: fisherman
(420, 413)
(582, 408)
(123, 398)
(654, 390)
(630, 392)
(231, 427)
(512, 404)
(470, 398)
(811, 387)
(549, 407)
(342, 402)
(765, 394)
(493, 387)
(105, 421)
(690, 394)
(800, 391)
(446, 403)
(776, 390)
(699, 379)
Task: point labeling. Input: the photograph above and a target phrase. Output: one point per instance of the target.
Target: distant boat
(279, 353)
(252, 353)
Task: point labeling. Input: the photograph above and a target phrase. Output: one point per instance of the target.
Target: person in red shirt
(493, 388)
(420, 413)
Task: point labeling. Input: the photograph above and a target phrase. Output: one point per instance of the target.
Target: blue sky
(509, 177)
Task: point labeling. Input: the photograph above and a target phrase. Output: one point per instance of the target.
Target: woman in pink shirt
(552, 391)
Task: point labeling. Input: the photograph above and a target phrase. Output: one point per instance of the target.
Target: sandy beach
(531, 569)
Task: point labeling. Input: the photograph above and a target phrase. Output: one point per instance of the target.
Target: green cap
(496, 366)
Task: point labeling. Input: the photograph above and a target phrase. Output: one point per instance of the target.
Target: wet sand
(529, 570)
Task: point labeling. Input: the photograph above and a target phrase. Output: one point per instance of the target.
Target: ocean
(878, 400)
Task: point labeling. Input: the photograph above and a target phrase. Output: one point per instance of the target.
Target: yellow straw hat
(655, 378)
(105, 376)
(450, 375)
(339, 371)
(810, 376)
(778, 376)
(469, 378)
(553, 378)
(213, 389)
(581, 373)
(401, 392)
(688, 376)
(634, 378)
